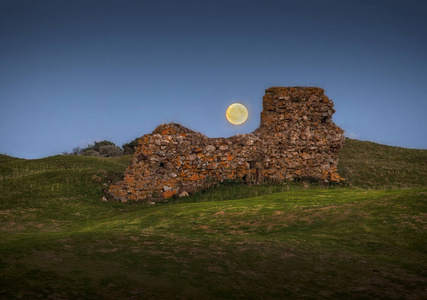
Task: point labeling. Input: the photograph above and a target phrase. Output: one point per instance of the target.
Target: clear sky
(72, 72)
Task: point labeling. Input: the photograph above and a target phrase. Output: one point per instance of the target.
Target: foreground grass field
(58, 240)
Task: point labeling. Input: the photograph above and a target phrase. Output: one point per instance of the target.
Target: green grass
(373, 166)
(58, 240)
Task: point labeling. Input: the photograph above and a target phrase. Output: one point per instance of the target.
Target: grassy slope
(371, 165)
(59, 240)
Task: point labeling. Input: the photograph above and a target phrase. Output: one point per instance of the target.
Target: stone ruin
(296, 140)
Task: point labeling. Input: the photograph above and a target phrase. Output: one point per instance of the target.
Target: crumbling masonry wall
(296, 139)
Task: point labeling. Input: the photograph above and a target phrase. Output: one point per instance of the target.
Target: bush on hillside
(110, 151)
(98, 149)
(97, 145)
(129, 148)
(90, 152)
(103, 149)
(75, 151)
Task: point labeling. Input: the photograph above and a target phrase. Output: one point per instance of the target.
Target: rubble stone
(296, 139)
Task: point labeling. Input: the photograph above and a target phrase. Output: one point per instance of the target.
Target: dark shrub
(102, 148)
(110, 151)
(90, 152)
(129, 148)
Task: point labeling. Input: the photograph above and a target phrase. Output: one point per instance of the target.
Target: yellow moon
(236, 113)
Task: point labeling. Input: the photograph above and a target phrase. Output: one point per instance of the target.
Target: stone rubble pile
(296, 139)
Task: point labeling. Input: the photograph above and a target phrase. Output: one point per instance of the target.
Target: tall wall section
(296, 139)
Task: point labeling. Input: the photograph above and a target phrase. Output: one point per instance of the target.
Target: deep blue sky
(72, 72)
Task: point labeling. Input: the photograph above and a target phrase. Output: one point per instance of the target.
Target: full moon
(236, 114)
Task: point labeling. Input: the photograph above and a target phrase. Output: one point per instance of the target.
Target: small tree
(76, 151)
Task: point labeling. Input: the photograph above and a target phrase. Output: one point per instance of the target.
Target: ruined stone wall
(296, 139)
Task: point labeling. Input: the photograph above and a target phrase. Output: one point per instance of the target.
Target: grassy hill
(58, 240)
(372, 165)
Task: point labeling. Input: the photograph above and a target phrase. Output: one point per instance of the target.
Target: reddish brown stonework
(296, 139)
